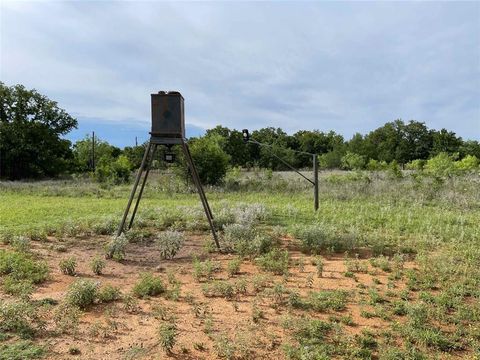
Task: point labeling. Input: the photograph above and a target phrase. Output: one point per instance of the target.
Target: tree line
(32, 145)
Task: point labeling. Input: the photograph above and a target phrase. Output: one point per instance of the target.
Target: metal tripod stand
(145, 167)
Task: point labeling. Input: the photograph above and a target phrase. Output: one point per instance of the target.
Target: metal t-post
(134, 189)
(201, 193)
(147, 171)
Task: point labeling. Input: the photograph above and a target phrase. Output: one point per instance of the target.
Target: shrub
(314, 239)
(19, 317)
(113, 171)
(319, 265)
(21, 350)
(115, 249)
(468, 163)
(204, 269)
(97, 265)
(233, 266)
(328, 299)
(219, 289)
(169, 242)
(375, 165)
(210, 159)
(6, 237)
(275, 261)
(167, 333)
(109, 293)
(353, 161)
(417, 164)
(149, 285)
(66, 318)
(440, 166)
(68, 266)
(21, 243)
(15, 287)
(21, 266)
(82, 293)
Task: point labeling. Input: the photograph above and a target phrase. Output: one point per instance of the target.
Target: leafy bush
(353, 161)
(328, 299)
(275, 261)
(233, 266)
(219, 288)
(20, 243)
(169, 242)
(113, 171)
(417, 164)
(115, 249)
(66, 318)
(204, 269)
(15, 287)
(19, 317)
(375, 165)
(21, 266)
(97, 265)
(440, 166)
(68, 266)
(108, 293)
(82, 293)
(468, 163)
(21, 350)
(210, 159)
(149, 285)
(167, 333)
(315, 238)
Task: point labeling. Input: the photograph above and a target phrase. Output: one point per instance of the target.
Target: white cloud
(343, 66)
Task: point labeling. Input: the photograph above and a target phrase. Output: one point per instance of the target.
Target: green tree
(104, 152)
(31, 126)
(209, 158)
(445, 141)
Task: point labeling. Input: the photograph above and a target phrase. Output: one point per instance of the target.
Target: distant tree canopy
(31, 126)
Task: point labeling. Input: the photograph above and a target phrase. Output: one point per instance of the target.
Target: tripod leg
(195, 175)
(147, 170)
(134, 189)
(201, 193)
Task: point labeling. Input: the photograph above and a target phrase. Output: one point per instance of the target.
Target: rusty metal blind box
(168, 115)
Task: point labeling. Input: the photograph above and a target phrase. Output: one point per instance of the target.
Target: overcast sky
(343, 66)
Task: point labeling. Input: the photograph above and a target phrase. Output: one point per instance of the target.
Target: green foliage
(15, 287)
(114, 171)
(352, 161)
(204, 269)
(219, 288)
(167, 333)
(328, 300)
(169, 243)
(97, 265)
(440, 166)
(108, 293)
(104, 152)
(66, 318)
(21, 350)
(233, 266)
(468, 163)
(315, 238)
(115, 249)
(31, 129)
(21, 266)
(275, 261)
(210, 159)
(416, 164)
(68, 266)
(19, 317)
(82, 293)
(149, 285)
